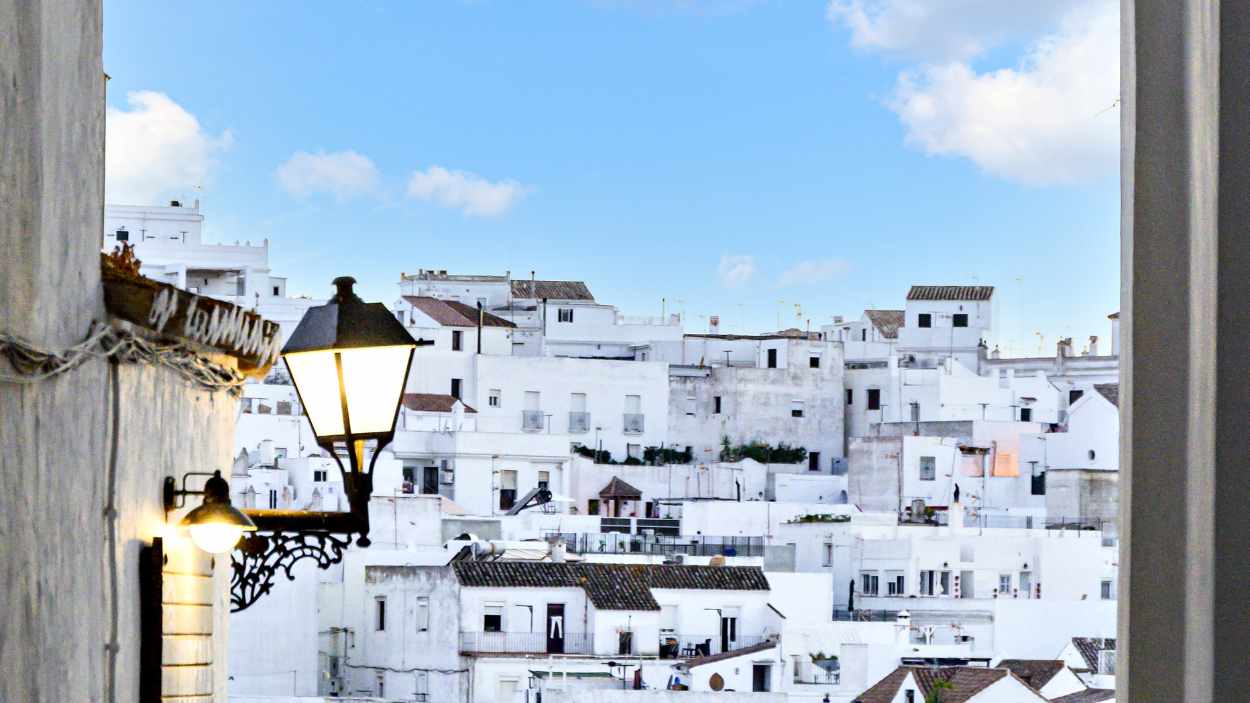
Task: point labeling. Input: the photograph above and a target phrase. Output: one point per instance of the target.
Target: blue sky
(723, 155)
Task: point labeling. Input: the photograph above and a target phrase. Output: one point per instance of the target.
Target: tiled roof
(453, 313)
(700, 661)
(1110, 391)
(617, 488)
(1089, 647)
(610, 586)
(887, 322)
(1089, 695)
(432, 403)
(965, 682)
(950, 292)
(1114, 316)
(1035, 672)
(553, 290)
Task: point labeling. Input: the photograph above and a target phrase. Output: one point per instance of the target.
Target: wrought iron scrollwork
(259, 556)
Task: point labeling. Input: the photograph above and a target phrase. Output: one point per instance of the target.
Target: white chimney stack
(1093, 345)
(713, 324)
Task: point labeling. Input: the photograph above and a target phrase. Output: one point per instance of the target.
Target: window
(863, 335)
(1108, 590)
(874, 398)
(796, 408)
(827, 559)
(319, 476)
(946, 583)
(592, 506)
(379, 613)
(455, 388)
(492, 618)
(813, 361)
(1004, 583)
(495, 398)
(1092, 455)
(564, 315)
(928, 468)
(284, 407)
(247, 406)
(910, 696)
(850, 396)
(380, 681)
(1026, 414)
(716, 405)
(123, 235)
(813, 461)
(633, 404)
(1026, 584)
(915, 411)
(927, 580)
(960, 320)
(633, 451)
(507, 489)
(544, 479)
(275, 291)
(691, 404)
(457, 340)
(273, 499)
(410, 474)
(868, 583)
(1074, 396)
(894, 584)
(772, 358)
(423, 613)
(924, 319)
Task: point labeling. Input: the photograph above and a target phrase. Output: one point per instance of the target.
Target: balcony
(633, 423)
(579, 423)
(518, 643)
(663, 545)
(681, 646)
(532, 420)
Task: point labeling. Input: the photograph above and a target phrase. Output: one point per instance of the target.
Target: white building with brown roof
(965, 684)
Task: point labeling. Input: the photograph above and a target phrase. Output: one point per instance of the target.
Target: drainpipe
(480, 314)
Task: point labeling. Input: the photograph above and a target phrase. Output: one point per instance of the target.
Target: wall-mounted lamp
(215, 525)
(349, 361)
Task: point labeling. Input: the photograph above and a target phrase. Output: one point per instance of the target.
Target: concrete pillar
(1185, 536)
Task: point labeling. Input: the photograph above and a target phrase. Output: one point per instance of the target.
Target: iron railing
(579, 423)
(524, 643)
(665, 545)
(1029, 522)
(842, 615)
(633, 423)
(532, 420)
(684, 646)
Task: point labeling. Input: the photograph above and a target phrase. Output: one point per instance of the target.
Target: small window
(1004, 583)
(565, 315)
(457, 340)
(813, 461)
(379, 613)
(874, 398)
(455, 388)
(928, 468)
(1074, 396)
(960, 319)
(495, 398)
(772, 358)
(813, 361)
(909, 696)
(275, 291)
(273, 499)
(924, 319)
(850, 396)
(1092, 455)
(284, 407)
(716, 405)
(507, 489)
(247, 406)
(869, 581)
(423, 613)
(319, 476)
(492, 618)
(796, 408)
(894, 584)
(1026, 414)
(863, 335)
(592, 506)
(544, 479)
(828, 554)
(123, 235)
(1108, 590)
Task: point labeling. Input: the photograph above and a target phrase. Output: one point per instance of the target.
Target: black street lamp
(349, 361)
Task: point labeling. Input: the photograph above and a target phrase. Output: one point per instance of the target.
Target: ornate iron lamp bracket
(285, 537)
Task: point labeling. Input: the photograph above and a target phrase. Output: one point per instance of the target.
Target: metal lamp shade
(216, 525)
(349, 361)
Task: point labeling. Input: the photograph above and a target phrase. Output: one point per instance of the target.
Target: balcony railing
(680, 646)
(532, 420)
(524, 643)
(664, 545)
(633, 423)
(579, 423)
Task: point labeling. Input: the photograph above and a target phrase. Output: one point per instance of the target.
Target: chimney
(1093, 345)
(995, 354)
(713, 324)
(558, 551)
(268, 456)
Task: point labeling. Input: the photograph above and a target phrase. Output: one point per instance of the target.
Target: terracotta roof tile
(965, 682)
(1089, 647)
(887, 322)
(453, 313)
(617, 488)
(552, 290)
(432, 403)
(610, 586)
(1110, 391)
(1035, 672)
(950, 293)
(1089, 695)
(700, 661)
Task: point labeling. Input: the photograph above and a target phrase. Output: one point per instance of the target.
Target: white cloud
(735, 270)
(156, 149)
(465, 191)
(341, 173)
(816, 271)
(1045, 121)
